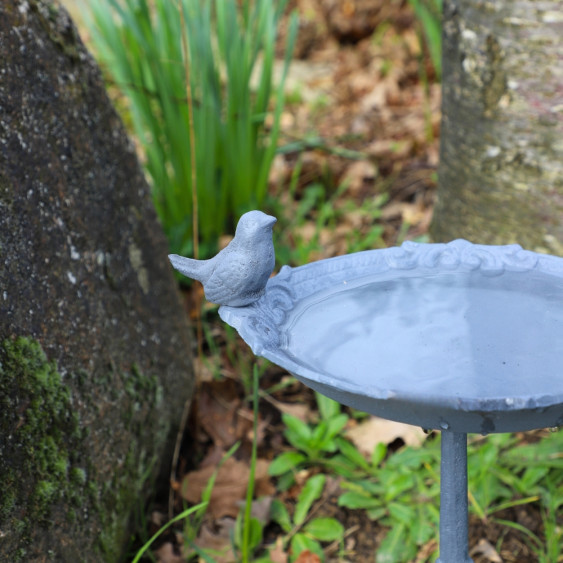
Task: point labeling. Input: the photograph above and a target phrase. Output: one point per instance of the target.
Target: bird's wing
(229, 278)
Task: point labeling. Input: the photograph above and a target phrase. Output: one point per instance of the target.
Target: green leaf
(297, 426)
(279, 513)
(402, 513)
(320, 440)
(256, 531)
(311, 491)
(512, 503)
(376, 513)
(395, 548)
(301, 443)
(398, 485)
(341, 466)
(287, 461)
(301, 542)
(379, 453)
(410, 458)
(336, 424)
(353, 499)
(326, 431)
(532, 476)
(328, 408)
(254, 536)
(351, 452)
(364, 486)
(421, 529)
(325, 529)
(286, 481)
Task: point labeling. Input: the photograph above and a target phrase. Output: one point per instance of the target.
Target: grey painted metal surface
(237, 276)
(453, 499)
(457, 337)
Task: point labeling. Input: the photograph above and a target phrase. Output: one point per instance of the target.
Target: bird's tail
(189, 267)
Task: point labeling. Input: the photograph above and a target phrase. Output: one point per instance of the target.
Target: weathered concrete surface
(94, 348)
(501, 159)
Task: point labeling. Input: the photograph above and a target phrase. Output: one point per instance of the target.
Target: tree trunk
(501, 161)
(94, 347)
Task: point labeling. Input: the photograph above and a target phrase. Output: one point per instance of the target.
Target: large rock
(94, 348)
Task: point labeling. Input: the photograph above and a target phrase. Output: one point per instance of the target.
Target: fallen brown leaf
(220, 414)
(166, 554)
(203, 370)
(300, 411)
(376, 430)
(486, 549)
(390, 149)
(358, 174)
(213, 457)
(229, 488)
(263, 485)
(260, 509)
(217, 539)
(278, 554)
(308, 557)
(426, 551)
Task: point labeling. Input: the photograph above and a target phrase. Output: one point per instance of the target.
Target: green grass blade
(180, 516)
(250, 490)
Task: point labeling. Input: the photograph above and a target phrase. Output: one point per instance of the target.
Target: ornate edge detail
(490, 260)
(259, 323)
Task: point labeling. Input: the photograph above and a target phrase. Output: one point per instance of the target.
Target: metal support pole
(454, 542)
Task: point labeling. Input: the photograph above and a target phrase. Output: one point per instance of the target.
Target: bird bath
(455, 337)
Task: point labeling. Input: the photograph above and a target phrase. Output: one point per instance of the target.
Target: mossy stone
(94, 344)
(42, 442)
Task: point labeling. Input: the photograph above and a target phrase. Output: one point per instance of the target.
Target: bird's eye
(251, 226)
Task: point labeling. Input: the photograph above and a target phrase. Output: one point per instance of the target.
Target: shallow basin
(459, 337)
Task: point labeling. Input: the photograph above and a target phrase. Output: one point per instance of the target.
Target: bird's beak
(271, 220)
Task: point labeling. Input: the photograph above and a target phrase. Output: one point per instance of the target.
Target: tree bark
(501, 160)
(94, 348)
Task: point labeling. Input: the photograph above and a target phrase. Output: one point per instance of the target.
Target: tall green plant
(231, 51)
(429, 14)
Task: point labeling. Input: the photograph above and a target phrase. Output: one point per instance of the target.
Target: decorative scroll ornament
(259, 323)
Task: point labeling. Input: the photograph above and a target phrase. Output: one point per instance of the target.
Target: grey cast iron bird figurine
(237, 275)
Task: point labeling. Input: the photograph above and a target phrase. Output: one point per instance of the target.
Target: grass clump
(199, 80)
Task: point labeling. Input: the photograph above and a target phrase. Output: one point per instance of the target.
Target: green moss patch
(119, 496)
(46, 475)
(41, 462)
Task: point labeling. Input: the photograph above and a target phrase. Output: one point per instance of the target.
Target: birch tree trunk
(501, 161)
